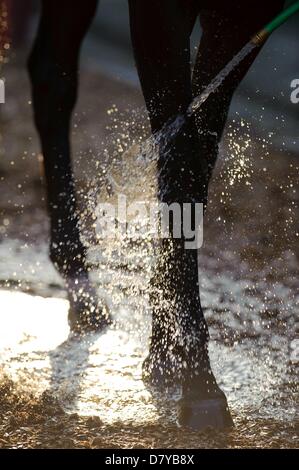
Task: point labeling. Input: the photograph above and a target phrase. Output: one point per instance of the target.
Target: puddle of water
(101, 375)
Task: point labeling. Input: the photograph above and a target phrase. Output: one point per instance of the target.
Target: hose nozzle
(260, 37)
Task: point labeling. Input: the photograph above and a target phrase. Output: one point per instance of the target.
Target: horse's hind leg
(53, 69)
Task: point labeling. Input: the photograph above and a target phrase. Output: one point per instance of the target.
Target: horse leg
(53, 69)
(163, 62)
(179, 337)
(225, 32)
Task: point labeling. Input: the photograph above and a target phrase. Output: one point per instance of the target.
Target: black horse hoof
(85, 312)
(201, 414)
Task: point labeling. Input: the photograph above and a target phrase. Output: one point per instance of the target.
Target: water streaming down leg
(163, 138)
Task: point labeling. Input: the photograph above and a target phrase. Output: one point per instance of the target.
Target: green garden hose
(262, 35)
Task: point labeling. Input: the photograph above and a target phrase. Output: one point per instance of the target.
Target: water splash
(161, 139)
(250, 347)
(135, 174)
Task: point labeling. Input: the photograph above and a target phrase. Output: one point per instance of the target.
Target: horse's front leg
(53, 68)
(179, 342)
(179, 332)
(225, 32)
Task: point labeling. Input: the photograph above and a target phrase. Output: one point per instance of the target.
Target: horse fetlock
(86, 312)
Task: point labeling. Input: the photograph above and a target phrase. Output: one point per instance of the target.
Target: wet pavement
(57, 391)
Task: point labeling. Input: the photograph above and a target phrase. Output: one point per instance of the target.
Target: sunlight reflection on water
(101, 375)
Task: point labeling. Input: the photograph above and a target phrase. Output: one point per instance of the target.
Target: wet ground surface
(57, 391)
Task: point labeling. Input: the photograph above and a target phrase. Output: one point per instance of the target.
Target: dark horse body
(161, 40)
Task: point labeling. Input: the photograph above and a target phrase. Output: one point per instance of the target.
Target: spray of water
(134, 173)
(101, 376)
(170, 130)
(121, 176)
